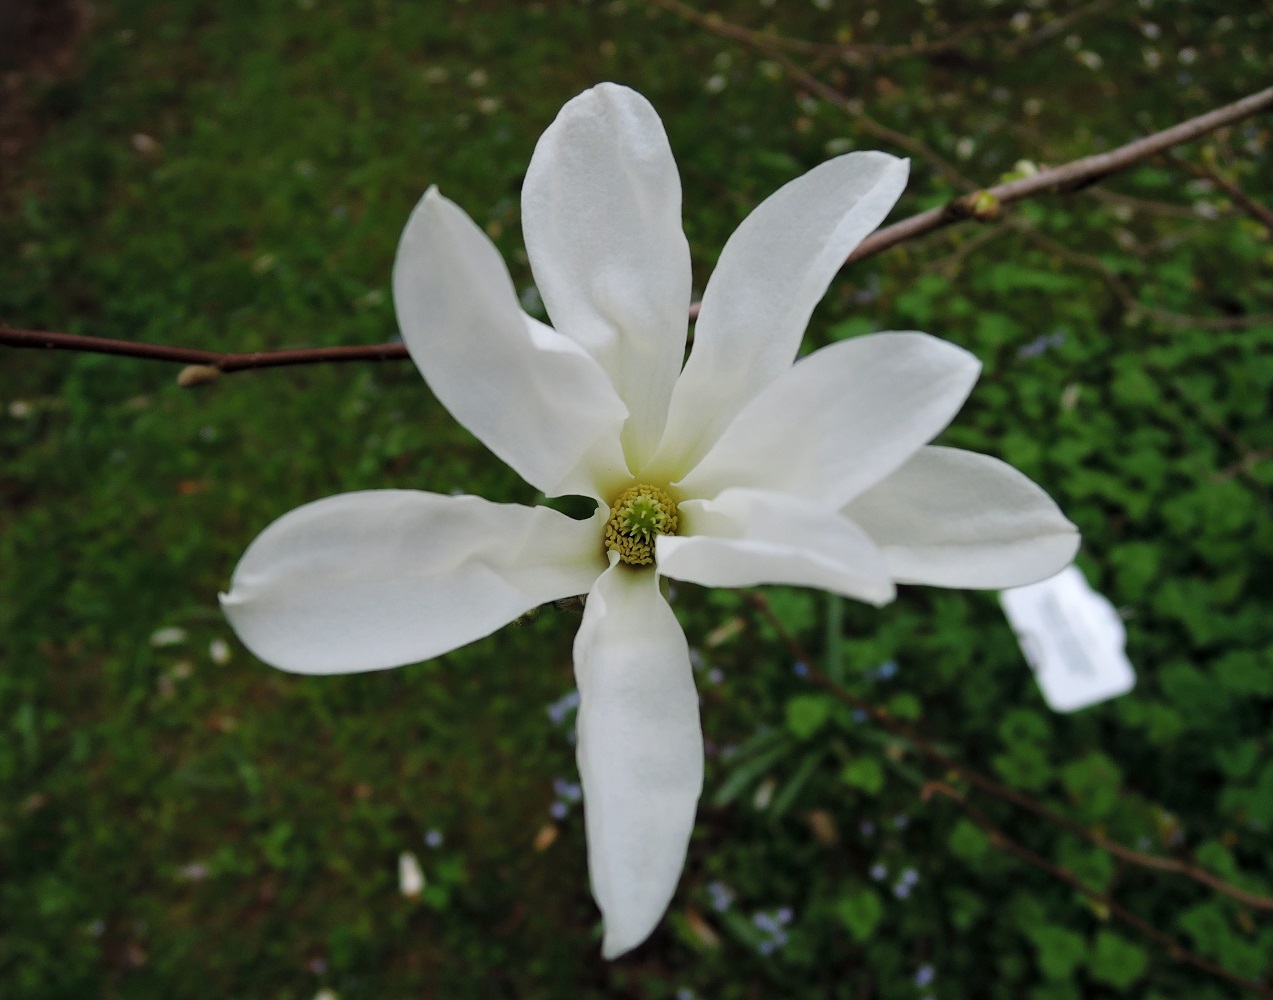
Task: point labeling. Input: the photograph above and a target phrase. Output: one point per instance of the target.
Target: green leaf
(854, 326)
(1093, 867)
(748, 771)
(1022, 726)
(905, 706)
(1093, 783)
(968, 841)
(1116, 961)
(807, 713)
(1134, 387)
(864, 773)
(1060, 950)
(860, 911)
(1026, 766)
(783, 800)
(1246, 672)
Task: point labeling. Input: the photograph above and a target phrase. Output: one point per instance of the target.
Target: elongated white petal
(773, 271)
(747, 537)
(601, 214)
(954, 518)
(365, 581)
(529, 394)
(839, 421)
(640, 751)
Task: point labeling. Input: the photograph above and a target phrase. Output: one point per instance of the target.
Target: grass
(178, 826)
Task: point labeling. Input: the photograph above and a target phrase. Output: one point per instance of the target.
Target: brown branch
(1049, 30)
(856, 111)
(1240, 198)
(1175, 950)
(995, 788)
(1067, 177)
(765, 44)
(1131, 202)
(1124, 294)
(1070, 176)
(230, 362)
(950, 265)
(849, 51)
(1129, 301)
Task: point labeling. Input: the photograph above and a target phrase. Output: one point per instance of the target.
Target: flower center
(636, 517)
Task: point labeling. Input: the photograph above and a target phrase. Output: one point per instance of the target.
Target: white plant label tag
(1072, 638)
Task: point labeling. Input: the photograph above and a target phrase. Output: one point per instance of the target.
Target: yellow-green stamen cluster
(637, 516)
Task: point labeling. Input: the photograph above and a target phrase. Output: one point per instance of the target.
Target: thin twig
(1129, 301)
(1239, 197)
(1049, 30)
(766, 45)
(1128, 201)
(857, 111)
(950, 265)
(1175, 950)
(995, 788)
(851, 51)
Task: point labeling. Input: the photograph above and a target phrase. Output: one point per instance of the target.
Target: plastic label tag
(1072, 638)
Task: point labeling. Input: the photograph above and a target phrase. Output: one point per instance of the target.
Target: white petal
(532, 396)
(601, 214)
(365, 581)
(953, 518)
(640, 751)
(773, 271)
(840, 420)
(748, 537)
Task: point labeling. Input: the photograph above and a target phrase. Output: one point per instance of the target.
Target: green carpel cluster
(638, 515)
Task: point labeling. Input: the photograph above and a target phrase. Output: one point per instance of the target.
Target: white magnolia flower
(740, 468)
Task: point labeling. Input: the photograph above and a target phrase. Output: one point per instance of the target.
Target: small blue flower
(764, 921)
(433, 838)
(559, 810)
(722, 896)
(800, 669)
(866, 828)
(567, 791)
(924, 975)
(563, 706)
(879, 872)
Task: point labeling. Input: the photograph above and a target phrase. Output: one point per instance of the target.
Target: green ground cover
(179, 820)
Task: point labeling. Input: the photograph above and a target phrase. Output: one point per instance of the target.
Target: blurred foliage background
(179, 820)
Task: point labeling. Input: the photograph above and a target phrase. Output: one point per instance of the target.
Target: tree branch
(995, 788)
(231, 362)
(1240, 198)
(1175, 950)
(1132, 305)
(1075, 174)
(1063, 178)
(848, 51)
